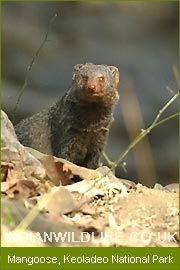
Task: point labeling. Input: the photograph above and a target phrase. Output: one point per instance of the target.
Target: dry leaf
(99, 223)
(63, 169)
(58, 201)
(4, 171)
(20, 190)
(87, 209)
(58, 172)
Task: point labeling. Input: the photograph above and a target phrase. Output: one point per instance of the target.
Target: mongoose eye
(101, 78)
(85, 78)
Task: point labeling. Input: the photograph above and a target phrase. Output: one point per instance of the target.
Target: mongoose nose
(92, 87)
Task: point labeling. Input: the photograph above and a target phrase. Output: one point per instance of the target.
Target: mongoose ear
(76, 69)
(115, 72)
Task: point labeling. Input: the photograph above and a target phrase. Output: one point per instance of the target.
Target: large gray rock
(14, 153)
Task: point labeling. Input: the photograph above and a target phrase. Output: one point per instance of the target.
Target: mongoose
(76, 127)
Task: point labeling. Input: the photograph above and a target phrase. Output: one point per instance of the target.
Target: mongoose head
(96, 83)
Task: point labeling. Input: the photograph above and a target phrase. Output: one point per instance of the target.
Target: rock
(40, 225)
(14, 153)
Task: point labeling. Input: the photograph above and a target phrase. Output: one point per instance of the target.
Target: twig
(31, 65)
(166, 119)
(110, 163)
(43, 201)
(176, 74)
(144, 132)
(170, 90)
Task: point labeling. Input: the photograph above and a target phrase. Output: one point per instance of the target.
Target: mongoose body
(77, 126)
